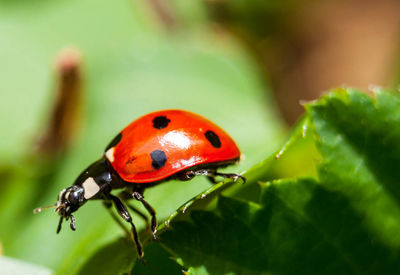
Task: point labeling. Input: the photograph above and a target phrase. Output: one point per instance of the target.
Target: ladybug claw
(153, 233)
(236, 177)
(155, 237)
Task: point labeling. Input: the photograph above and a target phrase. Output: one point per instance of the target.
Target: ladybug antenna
(39, 209)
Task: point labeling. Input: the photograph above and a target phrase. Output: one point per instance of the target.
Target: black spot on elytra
(213, 139)
(114, 142)
(159, 158)
(161, 122)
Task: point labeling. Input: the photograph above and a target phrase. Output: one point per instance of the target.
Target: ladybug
(163, 145)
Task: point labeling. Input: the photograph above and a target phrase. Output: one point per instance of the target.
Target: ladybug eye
(75, 197)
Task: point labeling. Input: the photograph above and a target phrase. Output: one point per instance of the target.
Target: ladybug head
(69, 200)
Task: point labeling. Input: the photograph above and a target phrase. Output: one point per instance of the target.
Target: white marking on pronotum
(91, 188)
(110, 154)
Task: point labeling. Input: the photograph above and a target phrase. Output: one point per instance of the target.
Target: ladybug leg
(107, 205)
(59, 224)
(137, 211)
(123, 212)
(138, 196)
(72, 224)
(212, 174)
(233, 176)
(125, 196)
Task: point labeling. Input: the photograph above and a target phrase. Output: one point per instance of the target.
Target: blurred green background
(245, 66)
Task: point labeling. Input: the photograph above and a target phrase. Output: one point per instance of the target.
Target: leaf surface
(345, 220)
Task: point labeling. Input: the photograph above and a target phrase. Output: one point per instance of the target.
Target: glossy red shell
(183, 141)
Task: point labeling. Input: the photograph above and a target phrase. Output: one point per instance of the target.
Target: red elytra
(185, 138)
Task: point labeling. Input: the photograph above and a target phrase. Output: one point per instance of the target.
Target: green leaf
(117, 257)
(158, 261)
(120, 257)
(222, 243)
(344, 221)
(358, 138)
(299, 227)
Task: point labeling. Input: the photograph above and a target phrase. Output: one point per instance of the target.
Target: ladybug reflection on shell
(170, 144)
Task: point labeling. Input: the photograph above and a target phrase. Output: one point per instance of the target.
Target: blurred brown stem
(164, 12)
(65, 113)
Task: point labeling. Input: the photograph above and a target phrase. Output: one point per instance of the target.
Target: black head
(69, 200)
(91, 183)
